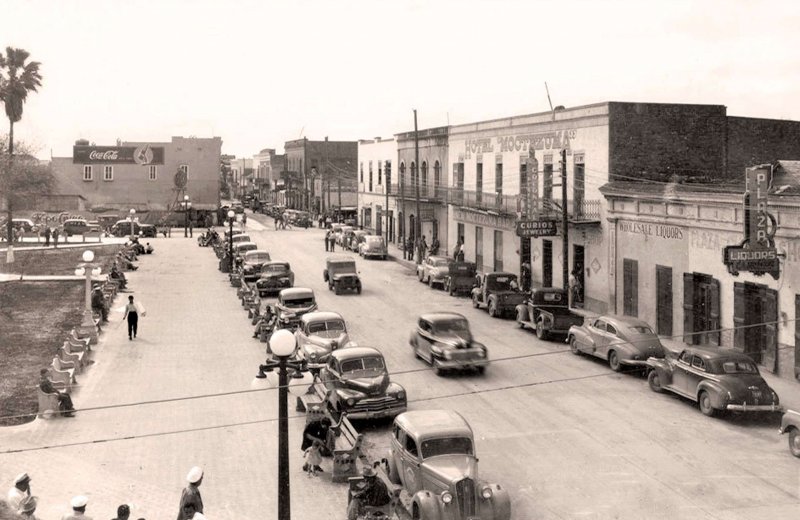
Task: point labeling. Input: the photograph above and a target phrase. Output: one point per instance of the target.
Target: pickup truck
(498, 292)
(547, 312)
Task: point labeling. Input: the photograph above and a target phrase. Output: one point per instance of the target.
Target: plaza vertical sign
(757, 253)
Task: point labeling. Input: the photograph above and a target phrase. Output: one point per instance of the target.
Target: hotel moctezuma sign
(757, 253)
(554, 140)
(483, 219)
(144, 155)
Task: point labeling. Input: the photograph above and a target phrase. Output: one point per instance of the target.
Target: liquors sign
(144, 155)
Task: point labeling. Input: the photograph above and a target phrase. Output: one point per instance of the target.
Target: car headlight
(447, 497)
(401, 394)
(436, 350)
(486, 493)
(312, 356)
(482, 353)
(448, 354)
(350, 401)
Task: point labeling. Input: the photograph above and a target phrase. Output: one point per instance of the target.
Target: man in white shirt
(21, 490)
(78, 504)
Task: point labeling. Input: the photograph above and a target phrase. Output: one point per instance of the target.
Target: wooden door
(688, 309)
(663, 300)
(738, 316)
(770, 319)
(796, 335)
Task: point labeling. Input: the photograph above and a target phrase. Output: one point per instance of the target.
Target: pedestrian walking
(190, 497)
(332, 242)
(132, 315)
(27, 507)
(244, 220)
(327, 239)
(21, 489)
(78, 504)
(55, 237)
(47, 236)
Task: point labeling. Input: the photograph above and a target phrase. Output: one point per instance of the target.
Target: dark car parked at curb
(499, 293)
(358, 384)
(444, 341)
(275, 275)
(620, 340)
(341, 275)
(460, 279)
(252, 263)
(76, 226)
(547, 311)
(717, 379)
(292, 304)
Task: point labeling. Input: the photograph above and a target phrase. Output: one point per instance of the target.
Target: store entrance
(755, 310)
(578, 268)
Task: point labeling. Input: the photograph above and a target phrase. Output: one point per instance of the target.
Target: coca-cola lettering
(109, 155)
(144, 155)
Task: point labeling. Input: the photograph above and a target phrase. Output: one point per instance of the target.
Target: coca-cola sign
(144, 154)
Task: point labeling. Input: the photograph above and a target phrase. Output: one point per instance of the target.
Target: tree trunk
(9, 224)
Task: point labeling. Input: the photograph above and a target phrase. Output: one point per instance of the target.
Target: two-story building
(320, 175)
(377, 206)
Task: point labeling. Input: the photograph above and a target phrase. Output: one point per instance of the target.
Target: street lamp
(187, 206)
(282, 345)
(88, 269)
(133, 212)
(231, 218)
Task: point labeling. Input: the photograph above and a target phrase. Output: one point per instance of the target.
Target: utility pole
(401, 233)
(418, 220)
(564, 222)
(325, 173)
(387, 176)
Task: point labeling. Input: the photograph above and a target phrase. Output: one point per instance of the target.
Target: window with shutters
(108, 173)
(630, 287)
(663, 300)
(479, 247)
(361, 172)
(423, 187)
(379, 172)
(479, 184)
(547, 263)
(370, 176)
(578, 184)
(153, 172)
(701, 318)
(498, 250)
(547, 181)
(437, 179)
(498, 180)
(87, 173)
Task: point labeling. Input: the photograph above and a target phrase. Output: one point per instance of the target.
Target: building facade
(320, 175)
(267, 166)
(377, 208)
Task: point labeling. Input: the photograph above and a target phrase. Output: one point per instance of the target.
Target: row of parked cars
(79, 226)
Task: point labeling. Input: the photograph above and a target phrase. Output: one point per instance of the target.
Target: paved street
(565, 435)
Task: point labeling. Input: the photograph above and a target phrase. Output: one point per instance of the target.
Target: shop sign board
(759, 260)
(536, 228)
(144, 155)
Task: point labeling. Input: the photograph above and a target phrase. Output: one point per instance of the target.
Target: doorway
(701, 309)
(547, 263)
(663, 300)
(755, 313)
(579, 271)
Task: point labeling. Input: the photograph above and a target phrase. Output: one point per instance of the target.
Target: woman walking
(132, 315)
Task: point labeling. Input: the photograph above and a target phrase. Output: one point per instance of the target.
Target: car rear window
(441, 262)
(257, 257)
(739, 367)
(501, 282)
(275, 268)
(551, 297)
(374, 240)
(642, 329)
(444, 327)
(446, 446)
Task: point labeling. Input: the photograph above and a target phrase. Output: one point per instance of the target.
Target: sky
(259, 73)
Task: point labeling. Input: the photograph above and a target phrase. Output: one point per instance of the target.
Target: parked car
(341, 275)
(716, 378)
(461, 278)
(434, 270)
(432, 461)
(499, 293)
(444, 341)
(341, 234)
(122, 228)
(354, 240)
(358, 384)
(790, 423)
(25, 225)
(547, 311)
(252, 261)
(292, 304)
(620, 340)
(373, 246)
(79, 226)
(319, 334)
(274, 276)
(239, 250)
(147, 230)
(241, 237)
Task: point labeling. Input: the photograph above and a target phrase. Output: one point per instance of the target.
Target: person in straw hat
(78, 504)
(190, 497)
(20, 491)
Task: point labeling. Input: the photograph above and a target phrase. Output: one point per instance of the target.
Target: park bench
(60, 380)
(82, 355)
(60, 368)
(98, 235)
(48, 404)
(69, 360)
(255, 313)
(75, 337)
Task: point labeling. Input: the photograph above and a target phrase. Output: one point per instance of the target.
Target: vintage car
(434, 270)
(341, 275)
(122, 228)
(373, 246)
(433, 462)
(319, 334)
(790, 423)
(292, 304)
(716, 378)
(239, 250)
(499, 292)
(358, 384)
(79, 226)
(354, 240)
(343, 231)
(546, 310)
(235, 231)
(620, 340)
(241, 237)
(275, 275)
(24, 225)
(252, 261)
(147, 230)
(444, 341)
(460, 279)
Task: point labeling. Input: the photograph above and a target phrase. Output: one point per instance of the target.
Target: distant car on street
(79, 226)
(252, 263)
(620, 340)
(373, 246)
(547, 311)
(434, 270)
(339, 235)
(275, 275)
(499, 292)
(716, 379)
(25, 225)
(319, 334)
(240, 249)
(444, 341)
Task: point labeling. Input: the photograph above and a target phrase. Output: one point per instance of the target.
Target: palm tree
(17, 78)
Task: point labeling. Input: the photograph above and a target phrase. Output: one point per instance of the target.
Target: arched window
(414, 174)
(402, 174)
(424, 183)
(437, 177)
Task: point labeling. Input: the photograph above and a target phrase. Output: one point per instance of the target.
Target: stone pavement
(194, 341)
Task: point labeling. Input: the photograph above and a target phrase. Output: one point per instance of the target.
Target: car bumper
(273, 285)
(458, 363)
(391, 411)
(627, 362)
(373, 253)
(744, 407)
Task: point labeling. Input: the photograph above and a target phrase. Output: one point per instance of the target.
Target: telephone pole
(387, 173)
(564, 222)
(418, 220)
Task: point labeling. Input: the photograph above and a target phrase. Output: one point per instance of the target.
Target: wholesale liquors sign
(144, 155)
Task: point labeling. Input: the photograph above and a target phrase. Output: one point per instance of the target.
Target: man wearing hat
(190, 497)
(372, 492)
(78, 504)
(20, 491)
(27, 507)
(123, 512)
(64, 399)
(99, 303)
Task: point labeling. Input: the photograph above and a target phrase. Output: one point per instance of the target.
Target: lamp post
(133, 212)
(231, 218)
(187, 206)
(282, 345)
(88, 269)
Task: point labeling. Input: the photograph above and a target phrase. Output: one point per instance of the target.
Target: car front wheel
(794, 442)
(654, 381)
(573, 346)
(541, 332)
(493, 310)
(613, 361)
(704, 402)
(475, 301)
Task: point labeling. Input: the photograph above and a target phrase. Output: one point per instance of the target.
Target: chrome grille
(375, 403)
(465, 495)
(463, 355)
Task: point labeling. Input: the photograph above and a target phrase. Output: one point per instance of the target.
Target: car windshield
(452, 326)
(551, 297)
(500, 283)
(440, 262)
(642, 329)
(247, 247)
(739, 367)
(257, 257)
(343, 267)
(367, 363)
(299, 303)
(275, 268)
(324, 326)
(446, 446)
